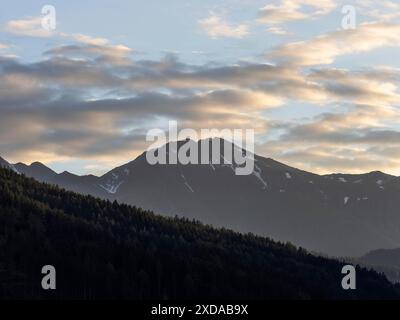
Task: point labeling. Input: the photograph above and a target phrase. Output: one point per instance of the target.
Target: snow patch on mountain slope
(5, 164)
(186, 183)
(113, 183)
(189, 187)
(13, 168)
(112, 187)
(257, 173)
(227, 163)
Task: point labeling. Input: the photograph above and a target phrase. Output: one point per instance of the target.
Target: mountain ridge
(276, 200)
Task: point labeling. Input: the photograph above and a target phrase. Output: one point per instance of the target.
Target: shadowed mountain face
(383, 257)
(386, 261)
(337, 214)
(5, 164)
(37, 170)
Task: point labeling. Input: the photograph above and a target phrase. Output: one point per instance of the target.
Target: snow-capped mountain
(337, 214)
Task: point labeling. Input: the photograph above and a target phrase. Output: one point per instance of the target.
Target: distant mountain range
(386, 261)
(337, 214)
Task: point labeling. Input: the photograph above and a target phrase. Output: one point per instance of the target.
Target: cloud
(79, 102)
(116, 127)
(277, 30)
(53, 114)
(372, 87)
(357, 140)
(169, 73)
(294, 10)
(326, 48)
(384, 11)
(217, 27)
(31, 27)
(85, 68)
(89, 40)
(330, 159)
(58, 73)
(3, 51)
(112, 54)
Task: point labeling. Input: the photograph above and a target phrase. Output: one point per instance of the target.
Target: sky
(318, 80)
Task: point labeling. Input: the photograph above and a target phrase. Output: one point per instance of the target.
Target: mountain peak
(36, 169)
(37, 164)
(66, 173)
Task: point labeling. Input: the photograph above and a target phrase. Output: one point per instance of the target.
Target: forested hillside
(108, 250)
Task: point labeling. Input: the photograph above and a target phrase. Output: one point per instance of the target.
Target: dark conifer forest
(106, 250)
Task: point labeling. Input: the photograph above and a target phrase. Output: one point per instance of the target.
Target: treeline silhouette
(106, 250)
